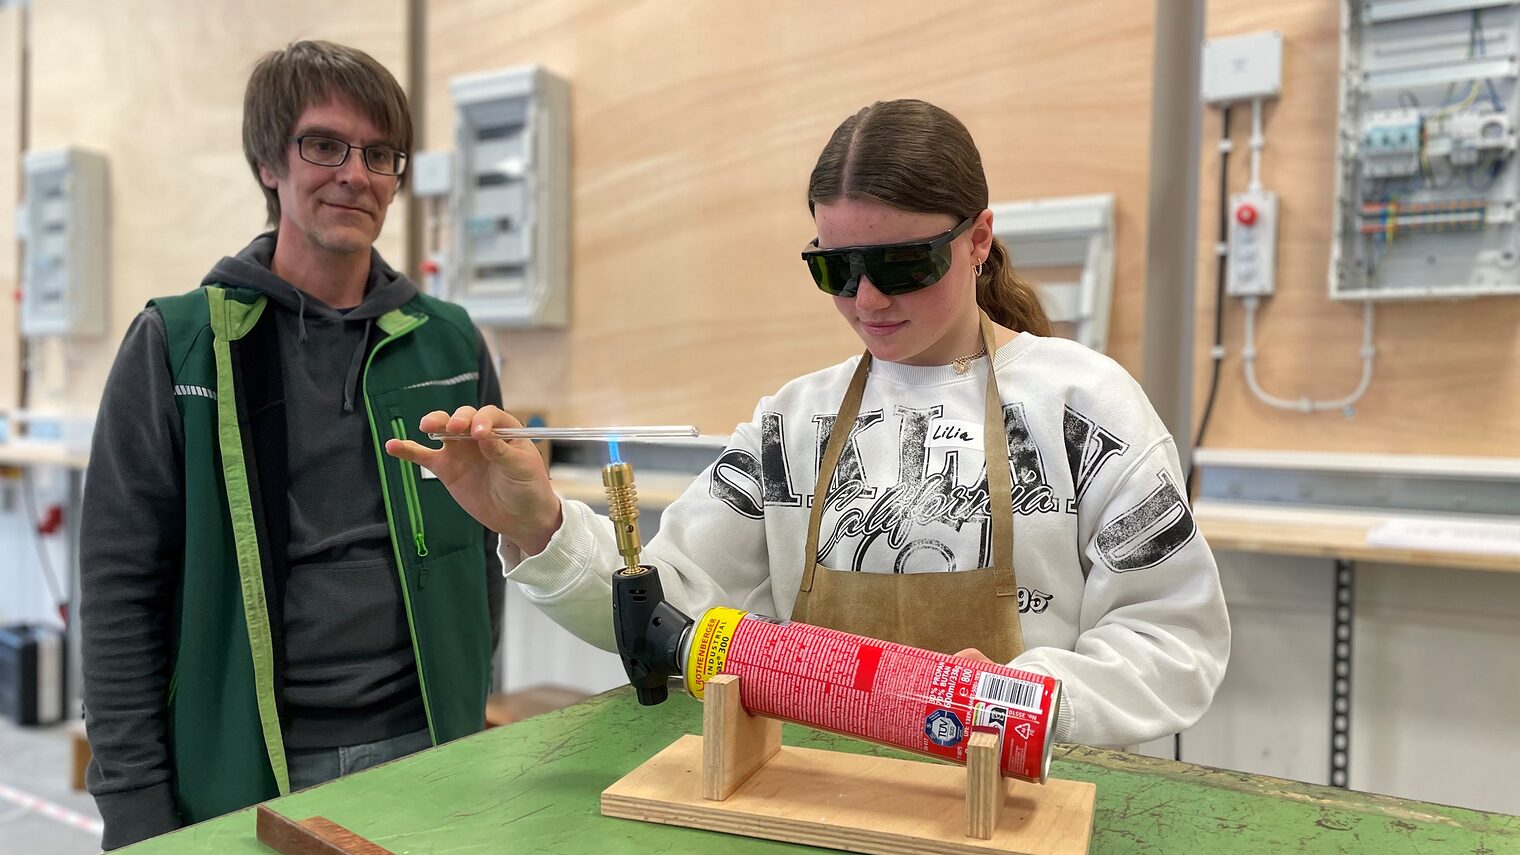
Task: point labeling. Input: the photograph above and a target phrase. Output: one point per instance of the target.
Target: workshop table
(535, 786)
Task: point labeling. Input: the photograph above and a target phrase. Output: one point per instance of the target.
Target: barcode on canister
(1009, 691)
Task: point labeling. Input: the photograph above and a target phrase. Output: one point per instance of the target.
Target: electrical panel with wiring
(1426, 179)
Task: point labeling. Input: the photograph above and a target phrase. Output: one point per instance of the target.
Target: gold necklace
(963, 363)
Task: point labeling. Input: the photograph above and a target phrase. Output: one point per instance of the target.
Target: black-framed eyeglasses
(894, 268)
(326, 151)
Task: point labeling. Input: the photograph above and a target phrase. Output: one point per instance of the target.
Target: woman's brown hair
(916, 157)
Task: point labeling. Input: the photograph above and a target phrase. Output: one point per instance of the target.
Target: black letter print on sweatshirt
(1031, 489)
(1150, 532)
(849, 472)
(746, 484)
(1088, 447)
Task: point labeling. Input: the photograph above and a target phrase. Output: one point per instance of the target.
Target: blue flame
(612, 451)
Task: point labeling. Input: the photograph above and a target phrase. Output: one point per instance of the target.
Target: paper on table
(1434, 535)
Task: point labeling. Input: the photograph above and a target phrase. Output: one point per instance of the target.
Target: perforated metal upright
(1340, 674)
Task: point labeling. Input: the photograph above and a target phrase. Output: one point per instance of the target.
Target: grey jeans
(310, 768)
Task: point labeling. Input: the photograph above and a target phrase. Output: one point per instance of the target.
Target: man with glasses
(269, 601)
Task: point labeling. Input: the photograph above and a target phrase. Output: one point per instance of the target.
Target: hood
(385, 290)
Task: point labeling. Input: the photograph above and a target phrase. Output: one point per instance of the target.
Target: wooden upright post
(986, 790)
(734, 743)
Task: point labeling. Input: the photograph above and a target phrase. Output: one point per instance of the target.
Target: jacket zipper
(380, 458)
(413, 504)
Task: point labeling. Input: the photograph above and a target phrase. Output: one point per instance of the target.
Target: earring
(977, 271)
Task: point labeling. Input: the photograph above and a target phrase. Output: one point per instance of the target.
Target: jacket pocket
(414, 516)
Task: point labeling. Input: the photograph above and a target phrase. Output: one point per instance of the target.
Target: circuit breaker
(62, 226)
(510, 200)
(1426, 185)
(1391, 143)
(1252, 270)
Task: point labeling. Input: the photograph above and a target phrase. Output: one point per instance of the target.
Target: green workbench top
(535, 786)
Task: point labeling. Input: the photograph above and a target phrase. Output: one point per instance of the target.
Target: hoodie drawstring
(351, 383)
(301, 315)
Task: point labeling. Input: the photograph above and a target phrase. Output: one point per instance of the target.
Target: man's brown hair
(286, 82)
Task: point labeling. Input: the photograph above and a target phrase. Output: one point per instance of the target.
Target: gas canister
(919, 700)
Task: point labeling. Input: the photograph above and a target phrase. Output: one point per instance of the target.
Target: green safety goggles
(894, 268)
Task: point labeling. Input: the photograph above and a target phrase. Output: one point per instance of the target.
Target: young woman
(861, 497)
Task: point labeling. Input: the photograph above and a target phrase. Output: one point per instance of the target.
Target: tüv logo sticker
(943, 728)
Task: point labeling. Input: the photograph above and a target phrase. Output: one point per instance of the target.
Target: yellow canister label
(709, 647)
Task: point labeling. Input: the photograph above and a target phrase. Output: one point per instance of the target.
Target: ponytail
(1006, 298)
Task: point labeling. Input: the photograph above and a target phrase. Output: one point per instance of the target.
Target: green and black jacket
(224, 628)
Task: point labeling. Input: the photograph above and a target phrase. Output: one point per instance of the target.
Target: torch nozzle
(623, 508)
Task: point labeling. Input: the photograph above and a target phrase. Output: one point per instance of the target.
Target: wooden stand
(738, 778)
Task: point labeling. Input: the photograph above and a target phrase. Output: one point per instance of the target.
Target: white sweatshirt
(1119, 596)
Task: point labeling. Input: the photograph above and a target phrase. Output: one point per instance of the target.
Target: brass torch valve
(623, 509)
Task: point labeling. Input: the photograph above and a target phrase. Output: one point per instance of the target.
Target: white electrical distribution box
(1242, 67)
(62, 226)
(1426, 189)
(1252, 268)
(511, 198)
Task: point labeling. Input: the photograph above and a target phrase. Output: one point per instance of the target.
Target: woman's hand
(502, 484)
(973, 653)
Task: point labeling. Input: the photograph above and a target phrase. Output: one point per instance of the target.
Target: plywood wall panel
(158, 88)
(695, 127)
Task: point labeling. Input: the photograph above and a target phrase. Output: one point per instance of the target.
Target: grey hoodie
(350, 676)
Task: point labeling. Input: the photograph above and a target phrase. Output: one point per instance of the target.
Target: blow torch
(919, 700)
(649, 630)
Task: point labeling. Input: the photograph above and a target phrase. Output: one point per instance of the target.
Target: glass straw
(599, 434)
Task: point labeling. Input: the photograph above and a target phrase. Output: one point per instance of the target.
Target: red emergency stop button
(1246, 215)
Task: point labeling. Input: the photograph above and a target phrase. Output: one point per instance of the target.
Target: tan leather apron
(947, 612)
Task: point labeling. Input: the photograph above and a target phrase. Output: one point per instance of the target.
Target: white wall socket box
(431, 173)
(1242, 67)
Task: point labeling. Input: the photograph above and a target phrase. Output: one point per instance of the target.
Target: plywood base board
(855, 803)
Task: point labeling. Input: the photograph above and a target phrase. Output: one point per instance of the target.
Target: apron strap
(844, 424)
(999, 477)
